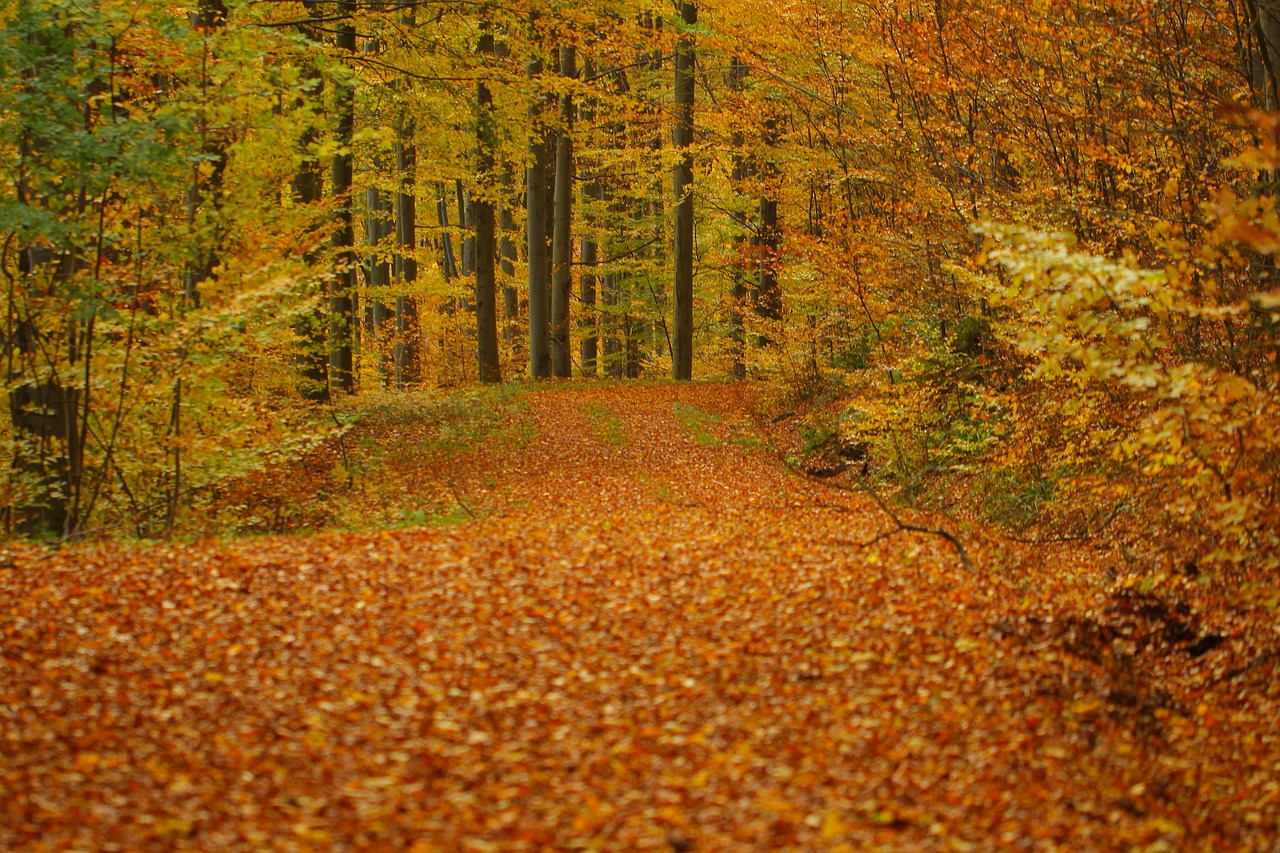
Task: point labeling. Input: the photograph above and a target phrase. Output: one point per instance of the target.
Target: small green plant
(464, 419)
(697, 422)
(457, 515)
(1017, 498)
(607, 426)
(854, 355)
(817, 388)
(413, 518)
(820, 437)
(750, 443)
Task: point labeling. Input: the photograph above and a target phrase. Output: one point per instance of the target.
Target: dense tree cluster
(217, 214)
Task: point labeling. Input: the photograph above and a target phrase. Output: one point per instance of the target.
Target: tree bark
(536, 232)
(590, 322)
(466, 219)
(378, 271)
(308, 189)
(1265, 65)
(408, 366)
(448, 263)
(210, 17)
(507, 254)
(562, 236)
(342, 284)
(587, 285)
(768, 292)
(738, 294)
(682, 181)
(490, 369)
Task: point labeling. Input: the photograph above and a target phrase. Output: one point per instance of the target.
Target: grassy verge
(394, 465)
(697, 423)
(608, 427)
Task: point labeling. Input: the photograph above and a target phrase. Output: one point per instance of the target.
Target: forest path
(654, 636)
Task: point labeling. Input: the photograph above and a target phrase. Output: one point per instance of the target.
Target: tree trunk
(562, 237)
(490, 369)
(210, 16)
(768, 292)
(590, 322)
(408, 366)
(1265, 65)
(507, 253)
(612, 339)
(448, 263)
(342, 284)
(738, 294)
(308, 189)
(536, 231)
(587, 290)
(466, 219)
(378, 270)
(682, 181)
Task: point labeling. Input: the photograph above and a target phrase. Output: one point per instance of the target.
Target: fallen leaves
(600, 663)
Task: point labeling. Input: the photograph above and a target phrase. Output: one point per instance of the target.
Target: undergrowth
(607, 426)
(696, 422)
(391, 466)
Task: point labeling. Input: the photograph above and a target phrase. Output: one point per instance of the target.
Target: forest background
(1023, 253)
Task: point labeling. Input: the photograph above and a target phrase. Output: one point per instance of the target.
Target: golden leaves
(609, 667)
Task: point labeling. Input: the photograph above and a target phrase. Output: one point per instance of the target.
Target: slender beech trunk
(466, 219)
(366, 330)
(611, 288)
(652, 329)
(408, 365)
(373, 332)
(210, 17)
(378, 276)
(490, 369)
(590, 322)
(1264, 65)
(614, 242)
(308, 189)
(738, 295)
(562, 225)
(682, 181)
(507, 253)
(448, 263)
(342, 285)
(536, 231)
(612, 339)
(768, 292)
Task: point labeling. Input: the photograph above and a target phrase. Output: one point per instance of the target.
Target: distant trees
(184, 278)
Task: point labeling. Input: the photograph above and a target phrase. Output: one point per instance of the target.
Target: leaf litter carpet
(653, 636)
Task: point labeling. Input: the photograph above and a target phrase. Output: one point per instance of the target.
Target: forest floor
(599, 617)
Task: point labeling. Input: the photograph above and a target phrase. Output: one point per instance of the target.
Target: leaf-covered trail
(654, 637)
